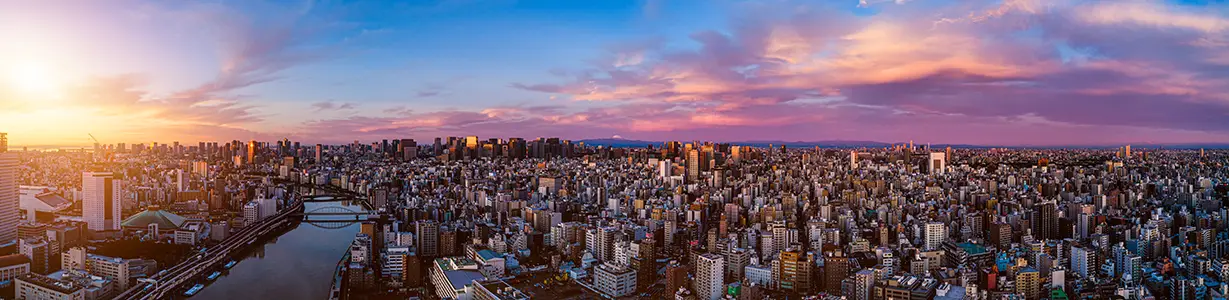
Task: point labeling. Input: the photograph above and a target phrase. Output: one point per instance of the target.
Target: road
(168, 281)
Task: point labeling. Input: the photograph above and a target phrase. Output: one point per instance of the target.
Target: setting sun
(33, 79)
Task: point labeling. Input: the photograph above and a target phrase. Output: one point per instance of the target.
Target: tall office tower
(937, 163)
(710, 276)
(1045, 221)
(9, 203)
(471, 147)
(736, 154)
(251, 157)
(319, 152)
(947, 154)
(409, 149)
(693, 165)
(428, 238)
(100, 206)
(1127, 150)
(853, 159)
(935, 233)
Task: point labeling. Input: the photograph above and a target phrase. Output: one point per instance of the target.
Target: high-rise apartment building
(935, 232)
(1082, 262)
(1028, 283)
(9, 200)
(710, 276)
(101, 204)
(795, 272)
(428, 238)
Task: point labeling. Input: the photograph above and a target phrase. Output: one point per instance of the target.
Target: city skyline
(1010, 73)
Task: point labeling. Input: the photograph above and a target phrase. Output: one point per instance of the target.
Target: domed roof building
(154, 215)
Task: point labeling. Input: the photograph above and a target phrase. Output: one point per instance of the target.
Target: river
(299, 264)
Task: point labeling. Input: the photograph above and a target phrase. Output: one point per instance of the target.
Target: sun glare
(33, 79)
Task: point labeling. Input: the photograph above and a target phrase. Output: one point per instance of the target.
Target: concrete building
(9, 200)
(454, 277)
(192, 232)
(116, 269)
(935, 233)
(93, 287)
(1028, 283)
(428, 238)
(1082, 262)
(614, 280)
(864, 281)
(39, 287)
(13, 265)
(101, 200)
(39, 253)
(937, 163)
(710, 276)
(758, 274)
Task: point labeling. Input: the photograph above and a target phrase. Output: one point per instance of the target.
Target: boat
(214, 275)
(229, 264)
(195, 289)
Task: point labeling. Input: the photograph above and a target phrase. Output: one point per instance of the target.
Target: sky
(989, 72)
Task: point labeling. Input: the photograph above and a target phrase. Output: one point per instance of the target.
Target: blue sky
(1022, 72)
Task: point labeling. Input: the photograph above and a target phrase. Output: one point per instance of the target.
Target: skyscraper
(100, 206)
(251, 158)
(693, 165)
(710, 276)
(9, 203)
(938, 163)
(1045, 222)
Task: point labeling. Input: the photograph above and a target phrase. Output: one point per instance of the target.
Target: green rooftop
(164, 219)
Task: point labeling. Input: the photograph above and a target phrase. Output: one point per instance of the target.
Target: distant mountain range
(626, 143)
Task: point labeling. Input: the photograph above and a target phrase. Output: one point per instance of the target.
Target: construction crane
(98, 147)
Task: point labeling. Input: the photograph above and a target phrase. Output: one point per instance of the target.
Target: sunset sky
(1009, 72)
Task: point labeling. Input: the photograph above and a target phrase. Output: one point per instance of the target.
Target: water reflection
(296, 265)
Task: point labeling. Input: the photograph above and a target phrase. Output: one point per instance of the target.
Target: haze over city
(1011, 72)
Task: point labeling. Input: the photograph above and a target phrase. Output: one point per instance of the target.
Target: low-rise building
(13, 265)
(191, 232)
(116, 269)
(454, 277)
(93, 286)
(614, 280)
(38, 287)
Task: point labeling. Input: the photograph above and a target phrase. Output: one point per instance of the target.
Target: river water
(299, 264)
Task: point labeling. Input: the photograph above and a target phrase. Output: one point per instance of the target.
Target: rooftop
(164, 219)
(51, 284)
(13, 259)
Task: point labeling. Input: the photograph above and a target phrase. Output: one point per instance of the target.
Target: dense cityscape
(483, 219)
